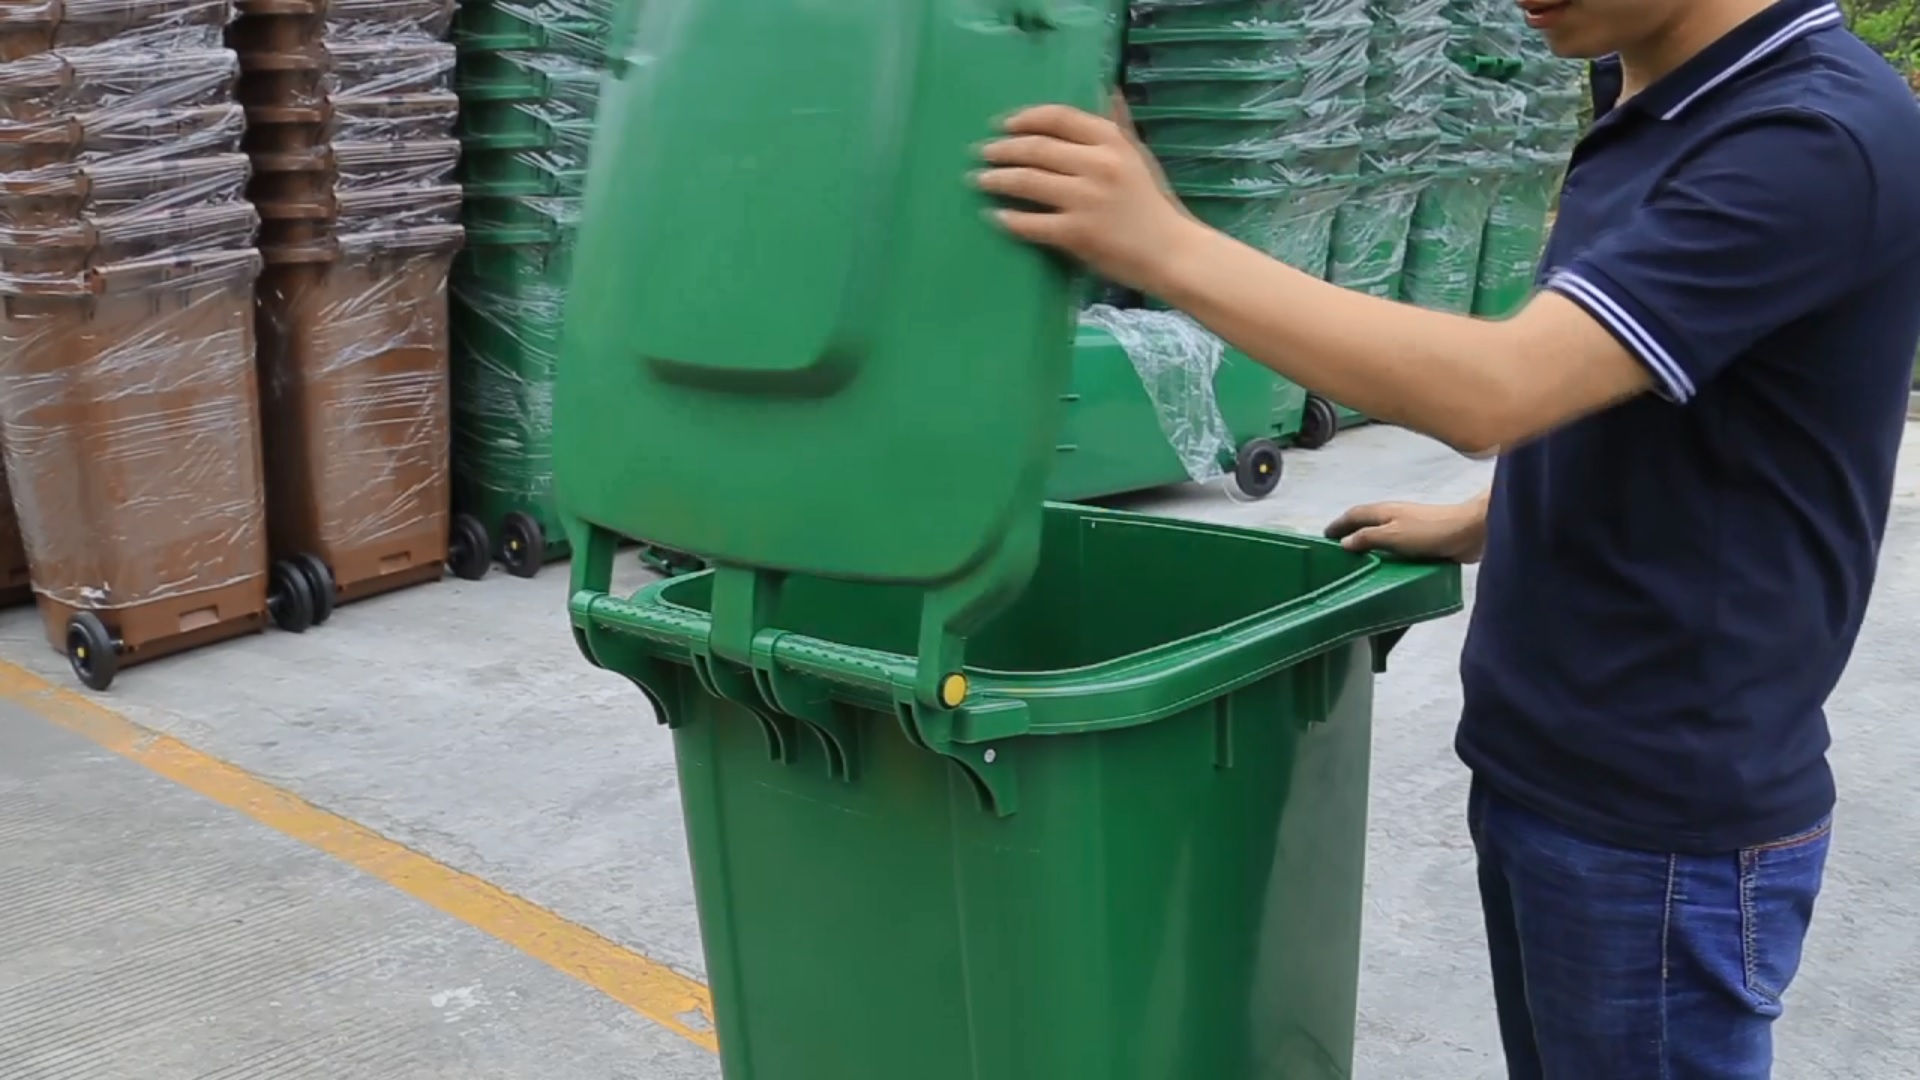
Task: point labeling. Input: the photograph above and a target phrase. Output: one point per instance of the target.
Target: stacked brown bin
(350, 116)
(127, 385)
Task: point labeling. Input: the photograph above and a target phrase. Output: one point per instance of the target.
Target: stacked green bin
(1405, 92)
(1480, 124)
(1401, 131)
(1517, 226)
(1252, 107)
(1060, 794)
(528, 79)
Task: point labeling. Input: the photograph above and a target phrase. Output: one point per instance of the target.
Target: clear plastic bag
(1176, 359)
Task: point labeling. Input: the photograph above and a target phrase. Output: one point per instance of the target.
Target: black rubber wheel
(320, 585)
(1257, 468)
(1320, 424)
(92, 651)
(469, 552)
(290, 597)
(523, 545)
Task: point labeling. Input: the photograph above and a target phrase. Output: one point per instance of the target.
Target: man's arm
(1759, 227)
(1474, 384)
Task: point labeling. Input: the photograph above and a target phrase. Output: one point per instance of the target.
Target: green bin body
(1136, 855)
(975, 787)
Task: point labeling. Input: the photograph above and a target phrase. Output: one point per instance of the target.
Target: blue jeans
(1612, 964)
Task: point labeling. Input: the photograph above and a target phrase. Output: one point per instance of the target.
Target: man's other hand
(1456, 533)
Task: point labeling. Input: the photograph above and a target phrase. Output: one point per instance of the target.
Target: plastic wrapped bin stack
(127, 384)
(1253, 108)
(1400, 130)
(529, 79)
(1480, 122)
(350, 116)
(1554, 90)
(1406, 83)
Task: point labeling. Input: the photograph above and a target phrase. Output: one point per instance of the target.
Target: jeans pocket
(1779, 882)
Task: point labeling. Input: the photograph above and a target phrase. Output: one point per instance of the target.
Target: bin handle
(1361, 602)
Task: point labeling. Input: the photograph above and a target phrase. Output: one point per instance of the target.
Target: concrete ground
(484, 874)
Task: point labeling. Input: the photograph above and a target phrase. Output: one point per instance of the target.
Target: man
(1698, 417)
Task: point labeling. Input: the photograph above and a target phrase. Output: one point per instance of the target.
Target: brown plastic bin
(121, 137)
(319, 73)
(276, 25)
(65, 250)
(298, 224)
(273, 129)
(56, 85)
(38, 26)
(16, 582)
(62, 194)
(318, 174)
(353, 371)
(130, 408)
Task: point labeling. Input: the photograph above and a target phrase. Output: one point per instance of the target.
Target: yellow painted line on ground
(667, 998)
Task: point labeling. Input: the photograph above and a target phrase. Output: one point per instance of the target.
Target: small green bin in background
(1122, 434)
(1137, 853)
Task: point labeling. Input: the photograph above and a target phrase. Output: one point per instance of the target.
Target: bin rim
(1378, 598)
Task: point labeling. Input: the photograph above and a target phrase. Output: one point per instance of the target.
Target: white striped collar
(1818, 18)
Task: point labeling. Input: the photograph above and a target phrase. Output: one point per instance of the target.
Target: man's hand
(1456, 533)
(1104, 199)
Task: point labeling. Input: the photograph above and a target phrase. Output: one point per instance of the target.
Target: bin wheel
(1257, 468)
(1320, 424)
(92, 651)
(320, 585)
(290, 598)
(469, 553)
(523, 545)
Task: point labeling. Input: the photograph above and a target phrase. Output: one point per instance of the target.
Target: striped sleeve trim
(1675, 384)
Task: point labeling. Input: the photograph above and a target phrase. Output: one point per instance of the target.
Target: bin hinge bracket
(952, 733)
(807, 699)
(631, 659)
(1383, 644)
(738, 685)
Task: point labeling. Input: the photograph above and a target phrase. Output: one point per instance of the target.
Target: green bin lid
(795, 344)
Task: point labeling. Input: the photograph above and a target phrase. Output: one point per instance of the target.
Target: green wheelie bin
(974, 786)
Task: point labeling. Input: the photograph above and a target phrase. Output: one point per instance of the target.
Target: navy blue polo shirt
(1672, 587)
